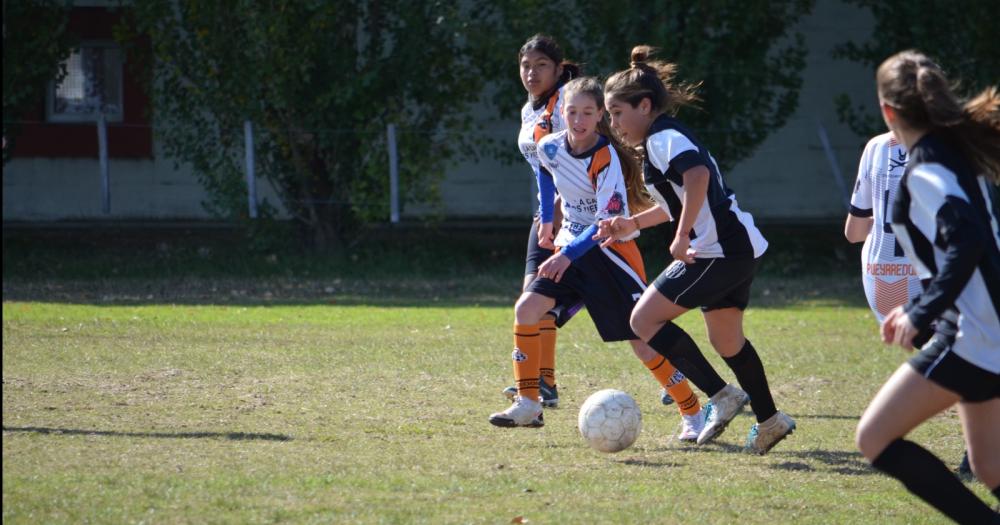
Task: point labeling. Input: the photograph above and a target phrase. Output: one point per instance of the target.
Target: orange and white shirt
(887, 275)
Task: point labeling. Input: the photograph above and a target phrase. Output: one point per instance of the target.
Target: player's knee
(640, 324)
(869, 440)
(986, 466)
(527, 309)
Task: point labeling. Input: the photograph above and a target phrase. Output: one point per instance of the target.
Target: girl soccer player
(945, 217)
(596, 179)
(544, 72)
(716, 247)
(887, 275)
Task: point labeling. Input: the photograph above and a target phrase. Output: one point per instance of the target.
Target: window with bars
(92, 85)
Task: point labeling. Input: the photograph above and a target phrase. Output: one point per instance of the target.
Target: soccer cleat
(764, 436)
(691, 426)
(665, 397)
(725, 405)
(522, 413)
(550, 394)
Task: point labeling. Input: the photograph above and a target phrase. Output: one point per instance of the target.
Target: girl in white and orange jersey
(596, 179)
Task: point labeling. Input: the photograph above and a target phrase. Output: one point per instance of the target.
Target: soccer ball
(610, 420)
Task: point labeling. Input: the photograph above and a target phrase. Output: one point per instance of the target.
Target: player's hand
(681, 249)
(545, 236)
(554, 267)
(614, 229)
(897, 329)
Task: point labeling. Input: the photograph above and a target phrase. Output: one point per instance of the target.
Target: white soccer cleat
(764, 436)
(691, 427)
(523, 412)
(725, 405)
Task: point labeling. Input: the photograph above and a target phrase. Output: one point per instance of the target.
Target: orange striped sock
(527, 351)
(547, 364)
(675, 383)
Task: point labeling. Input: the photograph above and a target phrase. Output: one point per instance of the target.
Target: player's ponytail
(652, 79)
(922, 96)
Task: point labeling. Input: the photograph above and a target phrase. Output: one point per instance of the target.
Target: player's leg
(981, 424)
(725, 332)
(676, 385)
(526, 411)
(905, 401)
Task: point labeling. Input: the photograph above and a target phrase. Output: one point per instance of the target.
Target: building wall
(788, 178)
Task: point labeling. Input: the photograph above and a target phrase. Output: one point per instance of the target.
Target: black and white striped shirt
(945, 218)
(721, 229)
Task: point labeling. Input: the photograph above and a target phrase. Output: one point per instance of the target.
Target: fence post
(251, 175)
(393, 175)
(102, 152)
(832, 159)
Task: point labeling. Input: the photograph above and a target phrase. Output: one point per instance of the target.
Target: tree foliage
(746, 53)
(960, 37)
(35, 43)
(320, 81)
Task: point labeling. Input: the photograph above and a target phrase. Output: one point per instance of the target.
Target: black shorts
(710, 284)
(606, 283)
(938, 362)
(536, 254)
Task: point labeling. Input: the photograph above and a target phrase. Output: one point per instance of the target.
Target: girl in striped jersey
(544, 72)
(945, 218)
(887, 275)
(596, 179)
(716, 250)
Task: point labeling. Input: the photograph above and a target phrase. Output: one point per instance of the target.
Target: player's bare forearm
(695, 190)
(652, 217)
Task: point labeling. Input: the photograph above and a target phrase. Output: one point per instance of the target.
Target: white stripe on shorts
(678, 298)
(931, 368)
(624, 266)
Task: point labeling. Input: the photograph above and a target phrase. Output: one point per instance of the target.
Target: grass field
(326, 402)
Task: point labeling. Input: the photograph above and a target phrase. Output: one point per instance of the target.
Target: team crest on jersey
(517, 355)
(551, 148)
(616, 204)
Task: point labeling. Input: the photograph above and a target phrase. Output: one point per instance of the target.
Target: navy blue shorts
(607, 283)
(709, 284)
(538, 255)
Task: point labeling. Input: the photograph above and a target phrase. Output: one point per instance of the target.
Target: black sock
(676, 345)
(750, 374)
(929, 479)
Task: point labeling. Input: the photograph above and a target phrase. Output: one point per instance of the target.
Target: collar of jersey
(659, 124)
(601, 142)
(540, 102)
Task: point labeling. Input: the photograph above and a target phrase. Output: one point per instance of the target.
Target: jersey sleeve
(945, 211)
(861, 199)
(611, 192)
(670, 148)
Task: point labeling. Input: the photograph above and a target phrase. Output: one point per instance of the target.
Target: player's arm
(695, 193)
(959, 231)
(857, 228)
(859, 218)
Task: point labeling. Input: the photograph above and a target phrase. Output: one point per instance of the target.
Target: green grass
(282, 400)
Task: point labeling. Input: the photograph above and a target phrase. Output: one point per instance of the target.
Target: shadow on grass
(639, 462)
(824, 416)
(233, 436)
(838, 461)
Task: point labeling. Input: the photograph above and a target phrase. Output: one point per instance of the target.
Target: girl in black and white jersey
(945, 218)
(716, 250)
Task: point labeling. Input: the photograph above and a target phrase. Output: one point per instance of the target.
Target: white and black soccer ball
(610, 420)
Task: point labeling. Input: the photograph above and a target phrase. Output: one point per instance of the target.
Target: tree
(745, 52)
(960, 37)
(320, 81)
(35, 43)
